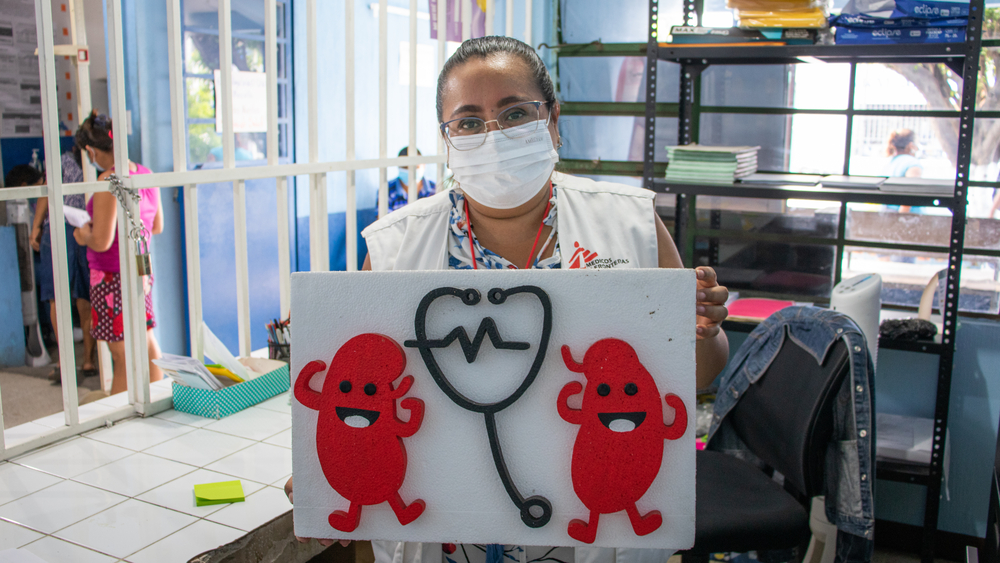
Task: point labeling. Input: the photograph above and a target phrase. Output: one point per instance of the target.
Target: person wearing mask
(508, 209)
(901, 148)
(77, 267)
(100, 236)
(399, 187)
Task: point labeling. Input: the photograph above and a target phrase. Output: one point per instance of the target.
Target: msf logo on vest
(580, 257)
(583, 258)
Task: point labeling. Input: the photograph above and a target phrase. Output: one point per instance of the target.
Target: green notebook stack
(699, 164)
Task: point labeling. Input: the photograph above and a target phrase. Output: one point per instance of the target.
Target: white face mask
(504, 173)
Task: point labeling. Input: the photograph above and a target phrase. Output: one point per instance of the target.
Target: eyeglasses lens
(514, 122)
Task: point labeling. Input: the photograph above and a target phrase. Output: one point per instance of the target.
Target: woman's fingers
(706, 276)
(711, 314)
(710, 306)
(708, 331)
(717, 295)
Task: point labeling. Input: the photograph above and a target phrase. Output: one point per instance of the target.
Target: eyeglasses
(467, 133)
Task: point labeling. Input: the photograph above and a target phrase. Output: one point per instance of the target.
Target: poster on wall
(20, 91)
(455, 17)
(249, 101)
(549, 408)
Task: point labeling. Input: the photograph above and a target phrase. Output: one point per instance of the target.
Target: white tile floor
(126, 493)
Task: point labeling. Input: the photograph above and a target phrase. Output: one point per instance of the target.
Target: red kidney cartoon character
(358, 435)
(619, 447)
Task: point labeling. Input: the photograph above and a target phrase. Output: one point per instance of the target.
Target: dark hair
(22, 175)
(402, 152)
(95, 131)
(484, 47)
(898, 141)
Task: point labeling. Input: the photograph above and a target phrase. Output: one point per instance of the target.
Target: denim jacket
(850, 462)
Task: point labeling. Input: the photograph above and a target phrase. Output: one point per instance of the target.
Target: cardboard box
(232, 399)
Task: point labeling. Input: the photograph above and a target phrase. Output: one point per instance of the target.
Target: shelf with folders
(804, 192)
(951, 54)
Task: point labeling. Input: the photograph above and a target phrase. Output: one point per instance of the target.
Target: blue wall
(218, 252)
(17, 150)
(12, 327)
(147, 97)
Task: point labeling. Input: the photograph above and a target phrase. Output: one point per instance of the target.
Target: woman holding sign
(508, 209)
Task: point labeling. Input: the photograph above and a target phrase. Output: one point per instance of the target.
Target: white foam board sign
(411, 386)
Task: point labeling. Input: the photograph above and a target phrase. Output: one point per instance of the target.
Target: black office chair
(991, 547)
(786, 420)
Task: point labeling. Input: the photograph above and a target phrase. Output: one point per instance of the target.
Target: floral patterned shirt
(460, 256)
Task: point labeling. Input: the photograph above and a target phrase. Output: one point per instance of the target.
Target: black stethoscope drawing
(488, 327)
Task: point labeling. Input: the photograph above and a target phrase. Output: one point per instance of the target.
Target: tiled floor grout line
(84, 518)
(55, 537)
(199, 519)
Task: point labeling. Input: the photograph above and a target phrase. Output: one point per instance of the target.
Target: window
(201, 63)
(816, 118)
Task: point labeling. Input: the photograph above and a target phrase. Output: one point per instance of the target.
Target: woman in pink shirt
(100, 236)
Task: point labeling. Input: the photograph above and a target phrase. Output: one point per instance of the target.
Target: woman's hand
(324, 542)
(711, 303)
(83, 234)
(36, 238)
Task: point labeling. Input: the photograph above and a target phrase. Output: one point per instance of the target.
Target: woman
(508, 209)
(100, 236)
(79, 271)
(901, 148)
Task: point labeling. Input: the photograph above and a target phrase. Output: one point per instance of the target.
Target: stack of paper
(687, 35)
(710, 165)
(223, 492)
(188, 372)
(853, 182)
(904, 438)
(782, 179)
(919, 186)
(780, 13)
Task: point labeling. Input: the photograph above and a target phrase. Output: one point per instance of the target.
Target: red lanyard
(531, 255)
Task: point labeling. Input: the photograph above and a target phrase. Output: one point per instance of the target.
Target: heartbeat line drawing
(471, 347)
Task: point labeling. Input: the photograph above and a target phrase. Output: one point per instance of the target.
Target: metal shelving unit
(962, 58)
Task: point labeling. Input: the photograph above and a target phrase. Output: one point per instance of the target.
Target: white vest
(600, 225)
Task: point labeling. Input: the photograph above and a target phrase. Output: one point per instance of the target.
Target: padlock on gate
(142, 261)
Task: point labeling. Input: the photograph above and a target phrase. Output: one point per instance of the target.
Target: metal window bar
(137, 369)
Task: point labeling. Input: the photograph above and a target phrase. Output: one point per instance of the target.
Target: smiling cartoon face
(620, 394)
(358, 386)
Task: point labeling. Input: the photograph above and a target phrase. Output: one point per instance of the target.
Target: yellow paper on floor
(218, 493)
